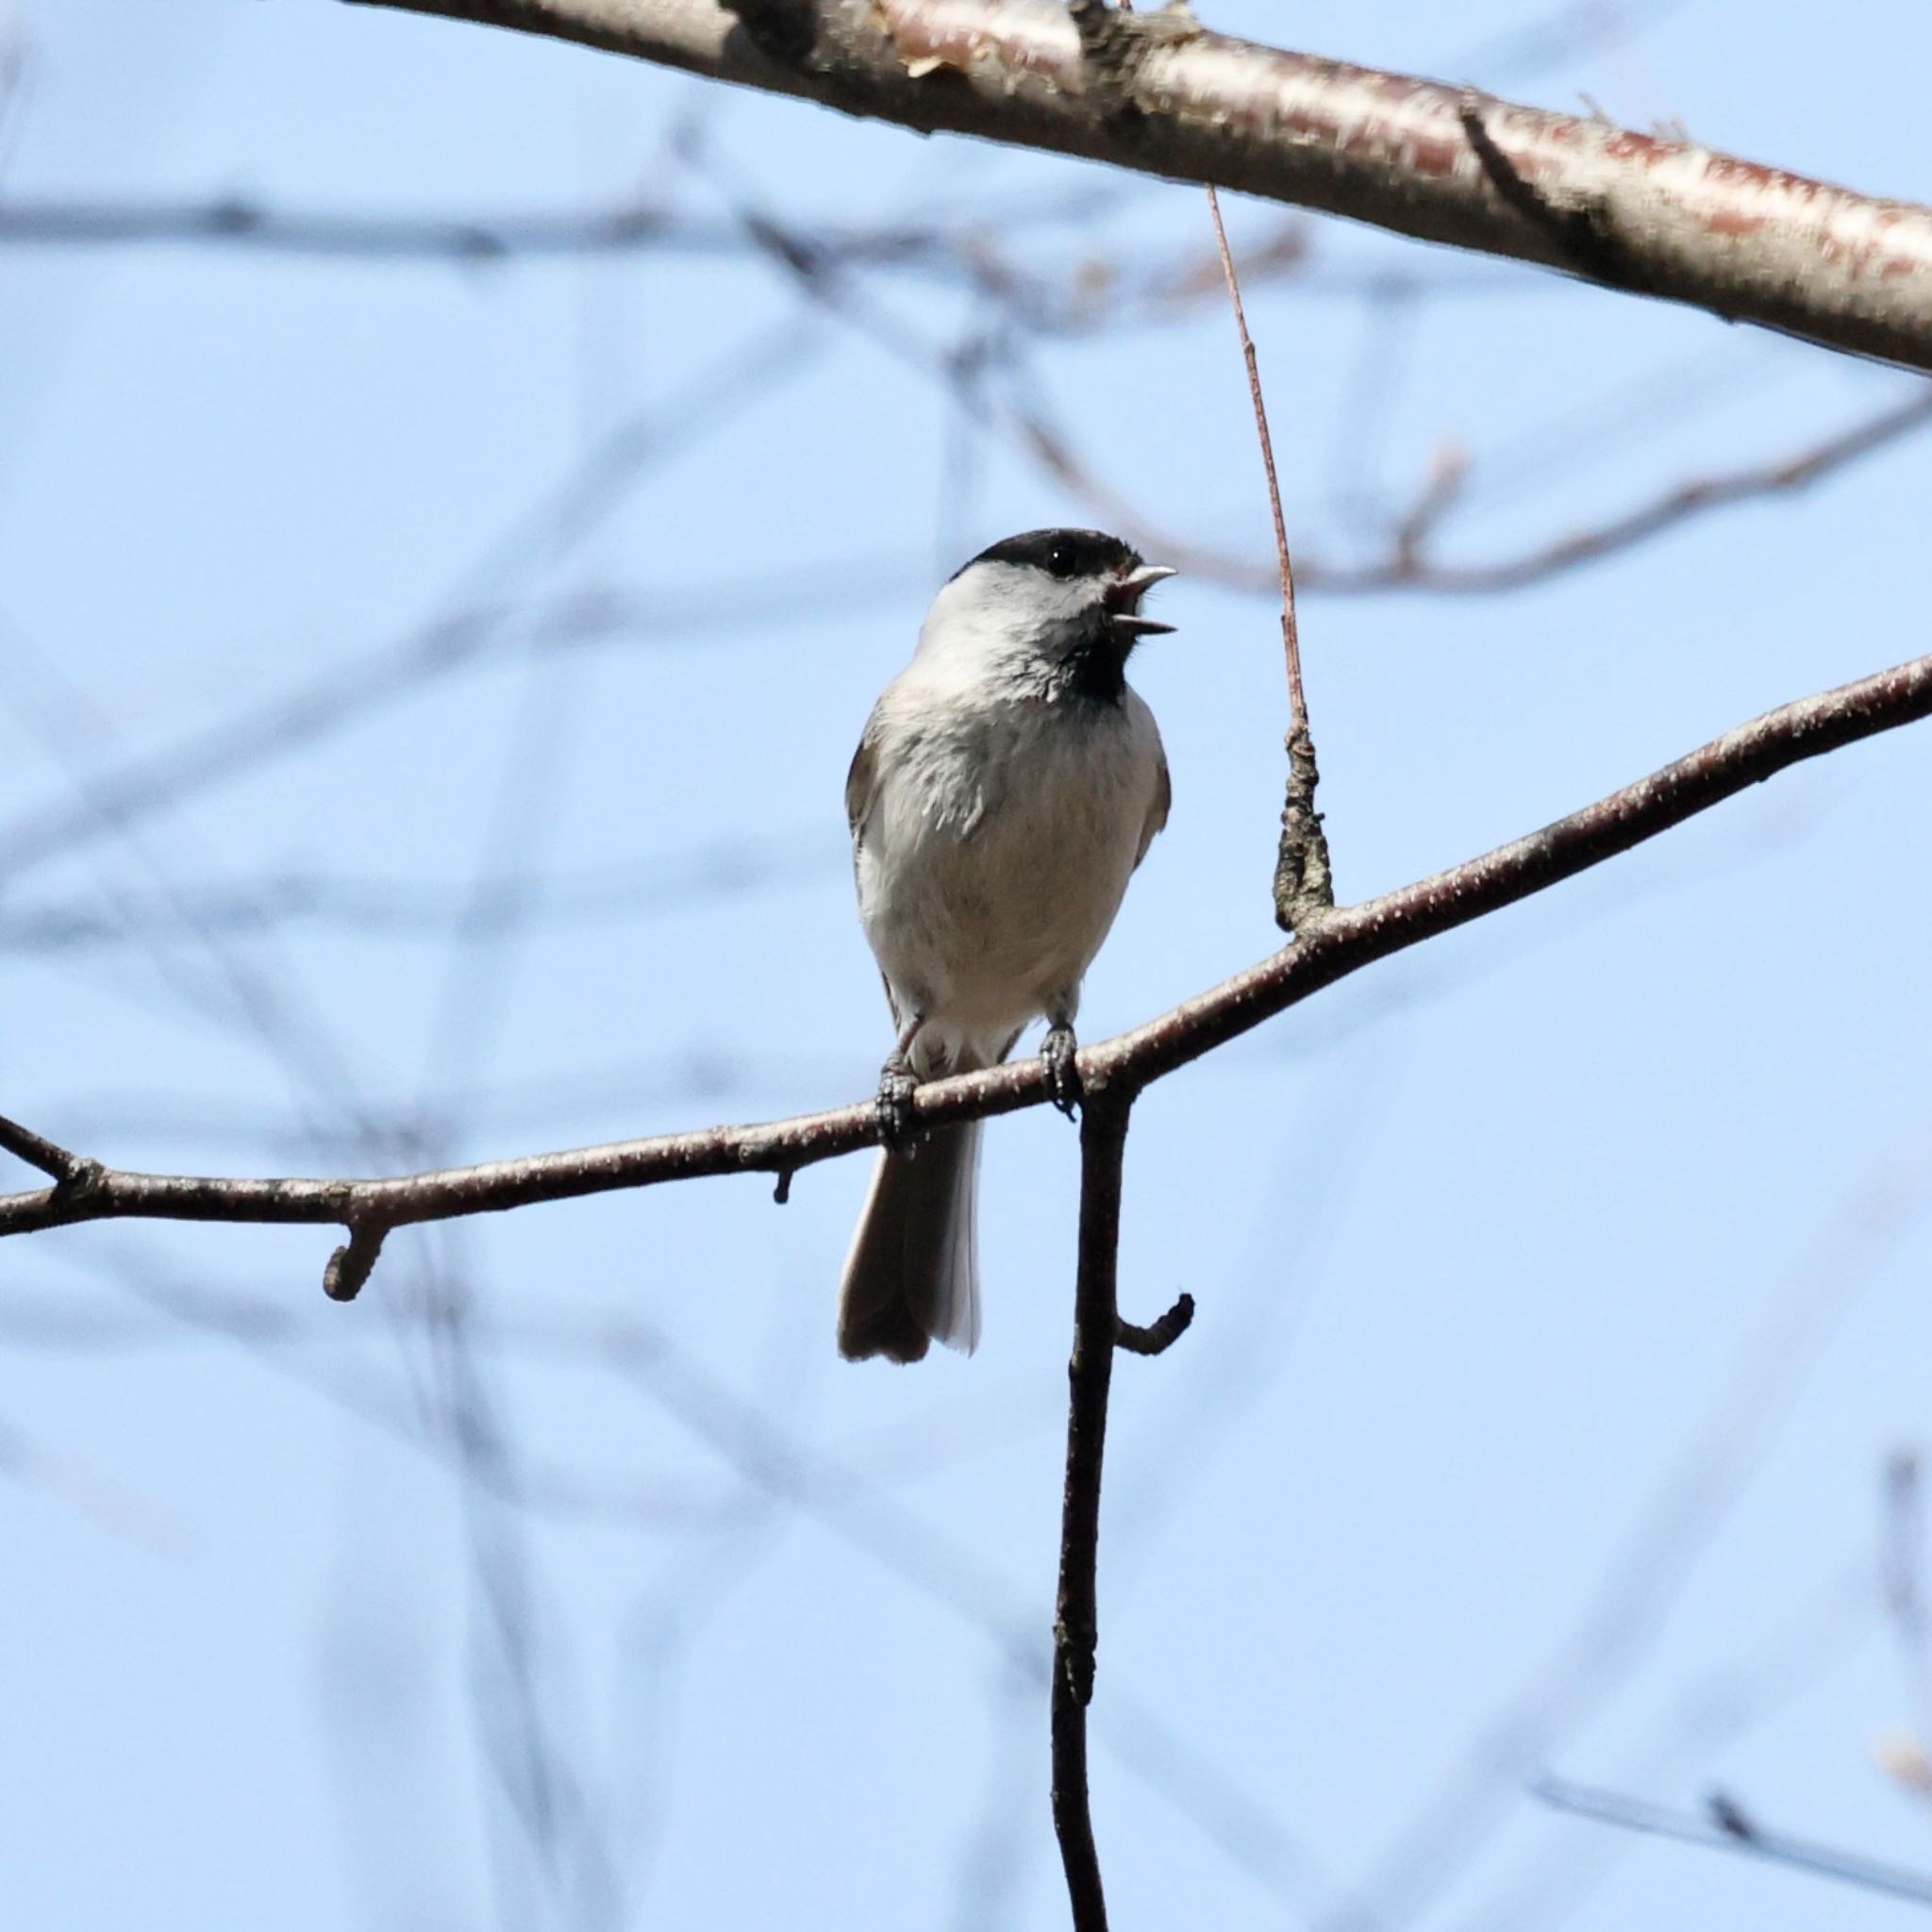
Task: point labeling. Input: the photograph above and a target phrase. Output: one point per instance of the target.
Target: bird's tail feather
(913, 1272)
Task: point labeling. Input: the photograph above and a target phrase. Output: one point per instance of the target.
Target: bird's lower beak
(1123, 600)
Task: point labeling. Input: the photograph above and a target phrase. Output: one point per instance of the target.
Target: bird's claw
(1062, 1069)
(896, 1088)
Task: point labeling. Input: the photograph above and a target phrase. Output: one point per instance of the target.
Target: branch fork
(77, 1178)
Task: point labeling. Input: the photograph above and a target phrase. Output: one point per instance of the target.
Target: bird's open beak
(1124, 599)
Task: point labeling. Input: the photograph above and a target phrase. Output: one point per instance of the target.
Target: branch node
(1115, 42)
(1075, 1652)
(786, 31)
(1304, 880)
(1583, 230)
(74, 1176)
(348, 1267)
(1730, 1817)
(81, 1182)
(781, 1188)
(1157, 1337)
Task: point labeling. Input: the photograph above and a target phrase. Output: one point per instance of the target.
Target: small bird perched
(1007, 783)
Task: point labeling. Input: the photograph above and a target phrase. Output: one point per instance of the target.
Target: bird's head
(1061, 604)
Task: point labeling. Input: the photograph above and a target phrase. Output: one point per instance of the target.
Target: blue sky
(1561, 1286)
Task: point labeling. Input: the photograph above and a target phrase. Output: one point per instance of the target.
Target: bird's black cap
(1063, 552)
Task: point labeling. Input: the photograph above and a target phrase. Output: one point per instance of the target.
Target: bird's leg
(1056, 1051)
(898, 1083)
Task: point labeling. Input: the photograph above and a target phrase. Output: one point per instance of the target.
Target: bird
(1007, 786)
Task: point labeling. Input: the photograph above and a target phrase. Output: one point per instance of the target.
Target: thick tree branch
(1349, 938)
(1158, 95)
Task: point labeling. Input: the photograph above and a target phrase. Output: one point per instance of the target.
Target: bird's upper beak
(1123, 600)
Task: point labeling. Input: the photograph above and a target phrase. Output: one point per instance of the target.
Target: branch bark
(1090, 1377)
(1349, 939)
(54, 1160)
(1098, 1330)
(1158, 95)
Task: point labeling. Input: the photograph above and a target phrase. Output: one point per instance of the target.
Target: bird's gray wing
(977, 779)
(861, 779)
(1156, 810)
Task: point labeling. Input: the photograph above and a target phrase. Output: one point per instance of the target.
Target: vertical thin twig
(1304, 885)
(1290, 635)
(1090, 1374)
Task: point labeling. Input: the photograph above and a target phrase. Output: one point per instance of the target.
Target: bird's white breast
(999, 838)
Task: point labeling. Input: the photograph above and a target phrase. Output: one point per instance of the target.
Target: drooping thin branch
(422, 908)
(1158, 95)
(1412, 566)
(1079, 296)
(1349, 939)
(1304, 884)
(335, 234)
(1729, 1829)
(235, 222)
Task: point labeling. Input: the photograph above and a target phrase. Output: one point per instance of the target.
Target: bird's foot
(1062, 1071)
(896, 1088)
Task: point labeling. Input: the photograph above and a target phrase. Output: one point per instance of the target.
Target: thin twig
(1729, 1829)
(1090, 292)
(1304, 885)
(1290, 634)
(38, 1150)
(348, 1269)
(1349, 939)
(1090, 1375)
(1410, 567)
(1157, 1337)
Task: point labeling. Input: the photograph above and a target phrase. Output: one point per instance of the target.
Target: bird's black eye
(1060, 560)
